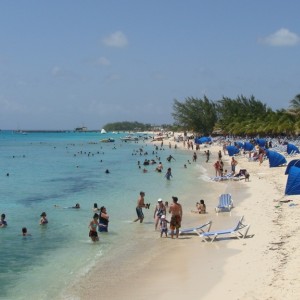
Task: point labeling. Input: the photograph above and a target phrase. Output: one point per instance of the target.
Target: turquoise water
(48, 169)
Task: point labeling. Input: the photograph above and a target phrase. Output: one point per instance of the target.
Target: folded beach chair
(234, 232)
(225, 203)
(222, 178)
(201, 228)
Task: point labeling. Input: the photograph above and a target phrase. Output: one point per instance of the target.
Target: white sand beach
(262, 266)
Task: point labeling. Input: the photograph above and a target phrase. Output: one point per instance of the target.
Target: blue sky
(65, 64)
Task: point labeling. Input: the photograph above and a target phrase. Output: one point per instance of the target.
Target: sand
(262, 266)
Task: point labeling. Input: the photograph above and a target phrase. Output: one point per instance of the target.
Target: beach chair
(201, 228)
(222, 178)
(233, 232)
(225, 203)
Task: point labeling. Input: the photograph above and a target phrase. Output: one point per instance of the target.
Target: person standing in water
(43, 219)
(93, 234)
(169, 174)
(139, 207)
(103, 220)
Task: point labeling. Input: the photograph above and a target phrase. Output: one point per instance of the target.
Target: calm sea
(52, 172)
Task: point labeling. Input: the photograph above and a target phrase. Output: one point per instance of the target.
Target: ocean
(51, 172)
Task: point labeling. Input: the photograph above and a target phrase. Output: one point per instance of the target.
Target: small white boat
(103, 131)
(109, 140)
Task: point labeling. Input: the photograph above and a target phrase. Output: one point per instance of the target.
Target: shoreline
(227, 268)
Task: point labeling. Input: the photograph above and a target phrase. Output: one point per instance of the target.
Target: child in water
(43, 219)
(201, 207)
(163, 226)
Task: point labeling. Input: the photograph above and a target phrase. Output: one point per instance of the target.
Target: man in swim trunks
(140, 205)
(176, 216)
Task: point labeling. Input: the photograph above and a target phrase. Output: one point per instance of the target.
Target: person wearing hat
(176, 216)
(160, 210)
(163, 226)
(43, 219)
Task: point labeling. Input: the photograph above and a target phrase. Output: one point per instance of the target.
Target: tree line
(240, 116)
(127, 126)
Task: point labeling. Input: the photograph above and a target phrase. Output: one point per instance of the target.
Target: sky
(71, 63)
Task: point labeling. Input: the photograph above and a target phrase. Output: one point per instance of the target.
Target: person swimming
(24, 232)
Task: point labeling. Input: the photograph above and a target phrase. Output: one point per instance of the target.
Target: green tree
(198, 115)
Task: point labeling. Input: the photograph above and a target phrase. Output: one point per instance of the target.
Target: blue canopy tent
(202, 140)
(275, 159)
(261, 142)
(239, 144)
(293, 182)
(248, 146)
(232, 150)
(292, 148)
(295, 163)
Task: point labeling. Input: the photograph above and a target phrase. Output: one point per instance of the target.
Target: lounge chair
(191, 230)
(225, 203)
(234, 232)
(222, 178)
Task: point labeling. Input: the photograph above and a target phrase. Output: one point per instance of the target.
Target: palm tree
(295, 106)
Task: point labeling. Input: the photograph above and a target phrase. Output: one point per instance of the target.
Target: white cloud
(103, 61)
(56, 71)
(282, 37)
(116, 39)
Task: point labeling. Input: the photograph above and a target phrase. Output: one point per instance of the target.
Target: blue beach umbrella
(239, 144)
(261, 142)
(295, 163)
(202, 140)
(275, 159)
(248, 146)
(292, 148)
(232, 150)
(293, 182)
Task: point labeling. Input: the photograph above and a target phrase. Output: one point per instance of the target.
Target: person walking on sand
(217, 167)
(194, 157)
(233, 165)
(160, 210)
(140, 205)
(176, 216)
(207, 155)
